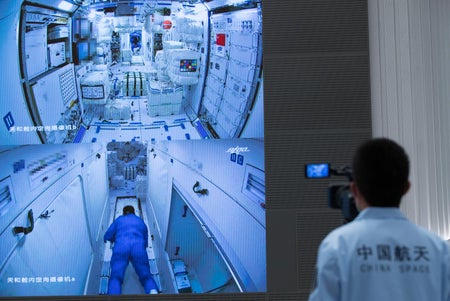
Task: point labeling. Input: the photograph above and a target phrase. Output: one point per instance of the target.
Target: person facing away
(130, 237)
(381, 255)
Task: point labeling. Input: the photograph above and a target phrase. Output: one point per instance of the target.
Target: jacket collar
(381, 213)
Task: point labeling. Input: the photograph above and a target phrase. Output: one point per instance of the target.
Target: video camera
(339, 195)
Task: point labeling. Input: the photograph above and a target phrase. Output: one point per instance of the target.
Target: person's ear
(407, 187)
(359, 200)
(354, 189)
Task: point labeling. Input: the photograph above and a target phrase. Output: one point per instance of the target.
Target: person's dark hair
(381, 172)
(128, 209)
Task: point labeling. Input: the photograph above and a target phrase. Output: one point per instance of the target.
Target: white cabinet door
(53, 259)
(36, 52)
(239, 235)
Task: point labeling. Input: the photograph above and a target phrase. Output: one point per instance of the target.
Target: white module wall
(50, 188)
(233, 71)
(55, 96)
(222, 182)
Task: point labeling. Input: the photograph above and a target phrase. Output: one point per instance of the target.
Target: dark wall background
(317, 109)
(317, 106)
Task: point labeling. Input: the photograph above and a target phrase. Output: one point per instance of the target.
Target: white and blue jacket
(382, 255)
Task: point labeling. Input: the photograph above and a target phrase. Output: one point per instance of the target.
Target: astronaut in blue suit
(135, 40)
(130, 237)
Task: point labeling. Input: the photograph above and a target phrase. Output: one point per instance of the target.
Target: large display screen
(67, 191)
(195, 161)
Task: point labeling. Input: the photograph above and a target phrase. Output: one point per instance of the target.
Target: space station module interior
(203, 202)
(90, 71)
(156, 104)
